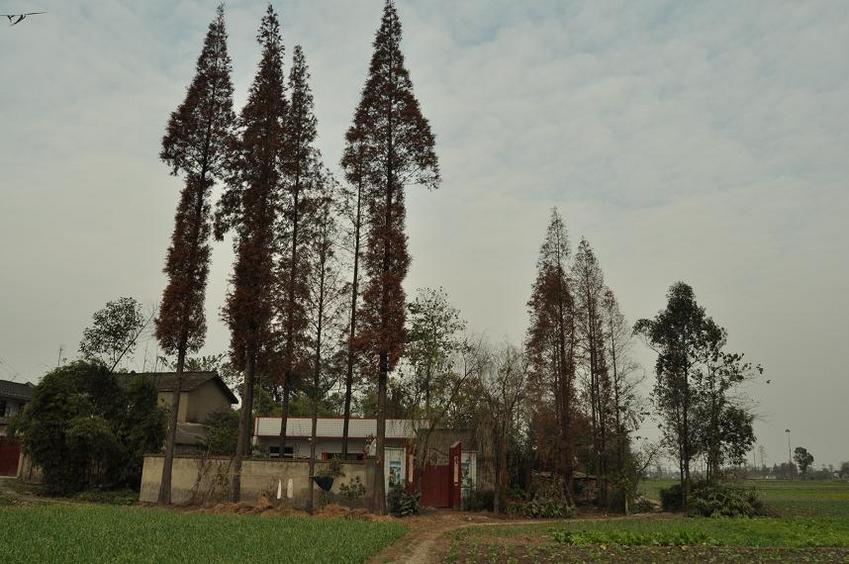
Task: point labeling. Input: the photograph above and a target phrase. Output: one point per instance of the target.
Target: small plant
(333, 470)
(542, 507)
(478, 500)
(634, 538)
(401, 503)
(353, 490)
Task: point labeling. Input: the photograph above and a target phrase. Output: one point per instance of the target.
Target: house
(451, 460)
(201, 394)
(13, 397)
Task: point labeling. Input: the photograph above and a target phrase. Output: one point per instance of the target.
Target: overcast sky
(704, 142)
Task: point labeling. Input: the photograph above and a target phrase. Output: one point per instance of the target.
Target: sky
(705, 142)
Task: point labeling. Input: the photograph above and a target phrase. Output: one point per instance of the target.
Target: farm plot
(61, 532)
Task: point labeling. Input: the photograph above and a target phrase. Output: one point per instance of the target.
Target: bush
(714, 500)
(634, 538)
(354, 490)
(671, 498)
(542, 507)
(402, 504)
(479, 500)
(721, 500)
(221, 432)
(86, 428)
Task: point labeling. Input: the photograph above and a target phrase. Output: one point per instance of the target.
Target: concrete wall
(164, 400)
(199, 480)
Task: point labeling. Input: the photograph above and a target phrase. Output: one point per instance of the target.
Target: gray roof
(167, 381)
(16, 390)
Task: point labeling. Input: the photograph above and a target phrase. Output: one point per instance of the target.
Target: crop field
(62, 532)
(811, 523)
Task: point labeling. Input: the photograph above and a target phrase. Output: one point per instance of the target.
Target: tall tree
(357, 170)
(551, 341)
(299, 167)
(249, 207)
(626, 402)
(438, 358)
(194, 146)
(394, 134)
(327, 292)
(589, 296)
(694, 390)
(503, 387)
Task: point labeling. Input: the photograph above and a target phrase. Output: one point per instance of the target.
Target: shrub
(634, 538)
(542, 507)
(671, 498)
(402, 504)
(714, 500)
(86, 428)
(221, 432)
(722, 500)
(353, 490)
(478, 500)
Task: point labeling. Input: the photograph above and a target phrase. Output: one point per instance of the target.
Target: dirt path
(428, 540)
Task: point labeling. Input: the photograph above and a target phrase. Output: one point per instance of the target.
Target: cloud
(704, 142)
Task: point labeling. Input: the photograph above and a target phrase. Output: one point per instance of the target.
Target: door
(10, 454)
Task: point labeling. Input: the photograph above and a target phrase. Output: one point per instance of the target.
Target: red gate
(441, 484)
(10, 453)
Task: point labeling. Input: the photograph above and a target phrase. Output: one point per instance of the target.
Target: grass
(812, 525)
(63, 532)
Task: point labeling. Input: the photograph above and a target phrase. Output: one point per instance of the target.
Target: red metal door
(10, 452)
(436, 486)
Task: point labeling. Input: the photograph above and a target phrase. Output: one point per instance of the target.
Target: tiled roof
(16, 390)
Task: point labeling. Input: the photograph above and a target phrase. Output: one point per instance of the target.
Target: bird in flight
(15, 19)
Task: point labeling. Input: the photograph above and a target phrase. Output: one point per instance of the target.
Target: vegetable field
(811, 524)
(60, 532)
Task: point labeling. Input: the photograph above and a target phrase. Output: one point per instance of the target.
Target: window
(2, 408)
(274, 452)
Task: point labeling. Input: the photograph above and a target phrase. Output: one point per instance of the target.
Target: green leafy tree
(803, 459)
(221, 432)
(85, 427)
(114, 332)
(695, 390)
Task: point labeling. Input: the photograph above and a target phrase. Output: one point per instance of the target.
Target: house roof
(167, 381)
(16, 390)
(331, 427)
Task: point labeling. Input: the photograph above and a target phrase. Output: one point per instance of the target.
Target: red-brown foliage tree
(249, 207)
(589, 304)
(301, 170)
(194, 146)
(392, 134)
(551, 341)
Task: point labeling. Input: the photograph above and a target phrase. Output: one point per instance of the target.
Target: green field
(811, 524)
(60, 532)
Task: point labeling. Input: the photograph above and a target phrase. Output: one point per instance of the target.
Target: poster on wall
(394, 472)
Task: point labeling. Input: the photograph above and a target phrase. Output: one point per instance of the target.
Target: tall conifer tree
(326, 304)
(301, 163)
(551, 341)
(194, 147)
(589, 296)
(249, 207)
(396, 138)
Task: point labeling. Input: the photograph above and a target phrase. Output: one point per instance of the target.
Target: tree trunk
(164, 497)
(355, 284)
(243, 442)
(379, 477)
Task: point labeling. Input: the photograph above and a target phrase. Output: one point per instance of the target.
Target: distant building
(201, 394)
(13, 397)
